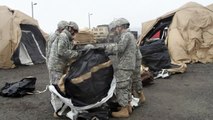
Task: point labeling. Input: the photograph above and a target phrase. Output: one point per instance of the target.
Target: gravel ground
(187, 96)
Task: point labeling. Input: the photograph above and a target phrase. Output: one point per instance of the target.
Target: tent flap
(190, 34)
(12, 24)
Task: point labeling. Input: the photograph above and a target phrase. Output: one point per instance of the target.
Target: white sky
(50, 12)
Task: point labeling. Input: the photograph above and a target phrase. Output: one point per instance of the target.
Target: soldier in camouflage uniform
(61, 26)
(61, 54)
(137, 87)
(125, 49)
(62, 51)
(113, 38)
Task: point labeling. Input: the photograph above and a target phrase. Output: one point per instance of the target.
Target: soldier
(137, 86)
(61, 54)
(113, 37)
(62, 50)
(125, 50)
(61, 26)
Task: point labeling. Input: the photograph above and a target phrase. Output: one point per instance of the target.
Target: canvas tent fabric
(88, 78)
(190, 35)
(15, 26)
(210, 7)
(89, 82)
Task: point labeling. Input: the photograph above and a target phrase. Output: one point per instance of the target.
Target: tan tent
(190, 34)
(11, 33)
(210, 7)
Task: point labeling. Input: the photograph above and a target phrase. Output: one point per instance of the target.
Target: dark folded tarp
(89, 78)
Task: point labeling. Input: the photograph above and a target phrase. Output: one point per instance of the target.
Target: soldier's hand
(110, 49)
(79, 53)
(100, 47)
(88, 47)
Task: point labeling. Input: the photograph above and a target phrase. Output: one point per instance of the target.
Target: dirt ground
(187, 96)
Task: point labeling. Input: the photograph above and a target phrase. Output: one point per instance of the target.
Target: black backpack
(20, 88)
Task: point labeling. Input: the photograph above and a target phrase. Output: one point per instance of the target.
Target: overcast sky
(50, 12)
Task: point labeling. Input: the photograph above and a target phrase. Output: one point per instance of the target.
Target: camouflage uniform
(125, 50)
(49, 44)
(52, 38)
(61, 25)
(113, 38)
(136, 77)
(114, 58)
(61, 53)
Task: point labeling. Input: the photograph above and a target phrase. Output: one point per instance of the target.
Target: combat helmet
(74, 26)
(112, 26)
(122, 22)
(62, 24)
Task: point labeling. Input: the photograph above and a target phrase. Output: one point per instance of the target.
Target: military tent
(189, 36)
(22, 42)
(210, 7)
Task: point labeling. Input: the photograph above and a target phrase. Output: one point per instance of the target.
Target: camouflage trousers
(54, 77)
(123, 87)
(136, 80)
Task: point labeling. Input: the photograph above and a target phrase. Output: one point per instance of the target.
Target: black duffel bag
(20, 88)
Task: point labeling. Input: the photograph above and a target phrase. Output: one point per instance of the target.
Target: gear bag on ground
(20, 88)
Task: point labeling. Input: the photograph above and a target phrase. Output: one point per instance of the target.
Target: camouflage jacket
(125, 49)
(62, 52)
(138, 56)
(49, 44)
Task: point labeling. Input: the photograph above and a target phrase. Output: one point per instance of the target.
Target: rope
(38, 91)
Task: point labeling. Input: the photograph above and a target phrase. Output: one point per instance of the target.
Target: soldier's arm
(118, 48)
(64, 51)
(122, 44)
(49, 43)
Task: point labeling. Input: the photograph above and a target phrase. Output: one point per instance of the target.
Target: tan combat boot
(129, 108)
(123, 113)
(55, 115)
(142, 97)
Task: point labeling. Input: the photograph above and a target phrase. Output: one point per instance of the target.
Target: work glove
(101, 47)
(80, 53)
(88, 47)
(110, 49)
